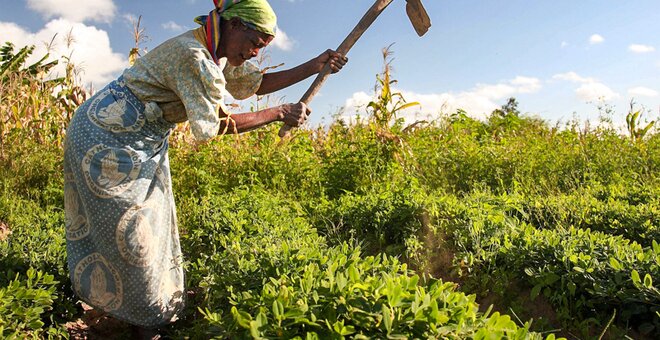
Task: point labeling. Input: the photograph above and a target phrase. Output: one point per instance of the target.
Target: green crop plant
(633, 120)
(388, 103)
(23, 303)
(31, 106)
(344, 231)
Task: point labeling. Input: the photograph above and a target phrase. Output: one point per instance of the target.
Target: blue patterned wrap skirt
(123, 249)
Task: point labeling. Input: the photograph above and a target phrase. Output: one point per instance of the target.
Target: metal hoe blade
(418, 16)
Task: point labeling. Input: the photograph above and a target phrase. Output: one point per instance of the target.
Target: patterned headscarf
(256, 14)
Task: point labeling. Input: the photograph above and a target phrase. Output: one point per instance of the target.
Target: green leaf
(341, 281)
(387, 318)
(405, 106)
(536, 290)
(254, 330)
(261, 319)
(648, 281)
(550, 278)
(278, 309)
(571, 287)
(635, 277)
(242, 318)
(347, 330)
(35, 324)
(615, 264)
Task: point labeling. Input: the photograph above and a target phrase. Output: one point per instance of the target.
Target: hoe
(417, 15)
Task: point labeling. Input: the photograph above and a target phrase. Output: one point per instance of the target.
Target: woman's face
(242, 43)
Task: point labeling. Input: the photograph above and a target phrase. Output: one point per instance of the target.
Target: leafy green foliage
(578, 270)
(331, 234)
(12, 63)
(34, 106)
(266, 274)
(23, 303)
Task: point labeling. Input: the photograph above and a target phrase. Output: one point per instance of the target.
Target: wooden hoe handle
(345, 46)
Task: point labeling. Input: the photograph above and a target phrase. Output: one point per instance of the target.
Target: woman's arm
(291, 114)
(278, 80)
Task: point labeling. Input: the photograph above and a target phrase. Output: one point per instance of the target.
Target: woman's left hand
(336, 60)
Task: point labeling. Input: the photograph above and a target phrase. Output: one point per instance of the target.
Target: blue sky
(559, 58)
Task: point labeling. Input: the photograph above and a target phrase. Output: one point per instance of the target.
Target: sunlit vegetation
(459, 228)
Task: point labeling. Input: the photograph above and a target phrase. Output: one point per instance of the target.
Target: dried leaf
(4, 231)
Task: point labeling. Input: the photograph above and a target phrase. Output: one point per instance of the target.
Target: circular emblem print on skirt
(137, 234)
(75, 223)
(116, 111)
(109, 171)
(97, 281)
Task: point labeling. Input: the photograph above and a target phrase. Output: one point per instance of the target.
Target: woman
(123, 247)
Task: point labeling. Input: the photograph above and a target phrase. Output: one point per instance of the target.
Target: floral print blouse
(182, 69)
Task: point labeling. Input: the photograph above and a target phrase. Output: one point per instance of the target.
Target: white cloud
(75, 10)
(507, 89)
(282, 40)
(564, 44)
(637, 48)
(596, 39)
(10, 29)
(89, 49)
(595, 91)
(590, 90)
(641, 91)
(572, 77)
(358, 100)
(526, 84)
(477, 102)
(174, 27)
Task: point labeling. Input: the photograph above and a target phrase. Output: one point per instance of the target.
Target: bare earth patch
(4, 231)
(97, 325)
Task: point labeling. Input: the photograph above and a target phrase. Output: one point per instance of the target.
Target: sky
(561, 59)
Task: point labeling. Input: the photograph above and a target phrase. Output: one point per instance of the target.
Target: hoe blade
(418, 16)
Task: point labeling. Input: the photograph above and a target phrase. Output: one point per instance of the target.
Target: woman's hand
(293, 114)
(336, 60)
(278, 80)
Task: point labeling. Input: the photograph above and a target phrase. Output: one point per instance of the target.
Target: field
(456, 229)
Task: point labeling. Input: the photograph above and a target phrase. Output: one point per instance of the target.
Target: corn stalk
(388, 103)
(635, 131)
(30, 108)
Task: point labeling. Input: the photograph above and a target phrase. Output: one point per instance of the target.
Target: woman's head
(245, 28)
(240, 42)
(256, 13)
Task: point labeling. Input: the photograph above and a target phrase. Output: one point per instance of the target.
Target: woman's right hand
(294, 114)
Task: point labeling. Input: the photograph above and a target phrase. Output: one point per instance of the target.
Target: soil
(439, 251)
(97, 325)
(4, 231)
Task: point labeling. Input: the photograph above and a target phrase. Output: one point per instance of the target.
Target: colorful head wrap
(256, 14)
